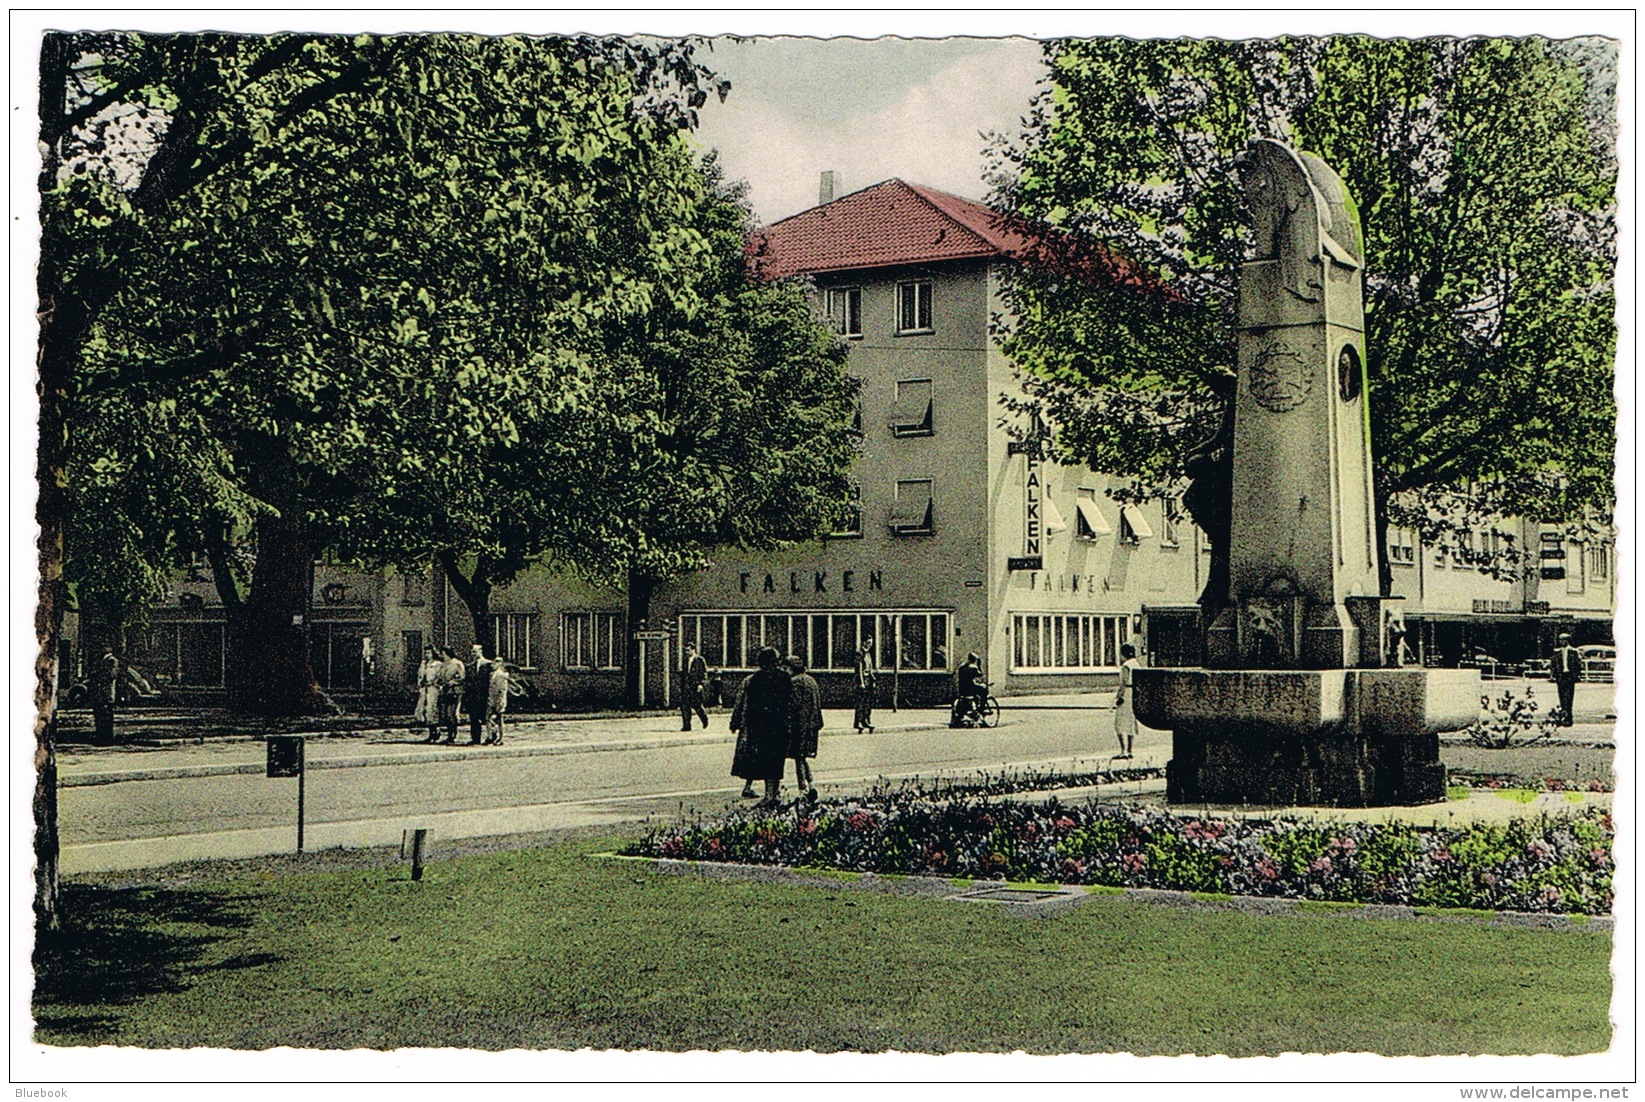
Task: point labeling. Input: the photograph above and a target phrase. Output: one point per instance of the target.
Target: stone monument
(1296, 707)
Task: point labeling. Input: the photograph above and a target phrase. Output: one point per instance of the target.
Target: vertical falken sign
(1033, 523)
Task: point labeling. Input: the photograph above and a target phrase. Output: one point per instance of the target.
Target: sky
(870, 110)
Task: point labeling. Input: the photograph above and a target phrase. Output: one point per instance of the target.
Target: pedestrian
(427, 712)
(761, 723)
(805, 720)
(105, 694)
(693, 676)
(496, 702)
(863, 720)
(1125, 715)
(1565, 670)
(476, 692)
(451, 676)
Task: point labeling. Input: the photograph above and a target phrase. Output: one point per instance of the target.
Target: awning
(1135, 523)
(912, 412)
(1092, 522)
(1053, 519)
(911, 513)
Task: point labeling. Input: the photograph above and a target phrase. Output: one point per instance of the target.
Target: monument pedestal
(1319, 738)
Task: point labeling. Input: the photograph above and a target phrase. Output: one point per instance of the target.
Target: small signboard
(1026, 562)
(285, 755)
(650, 635)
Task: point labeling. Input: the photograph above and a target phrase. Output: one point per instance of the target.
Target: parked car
(1598, 662)
(1539, 669)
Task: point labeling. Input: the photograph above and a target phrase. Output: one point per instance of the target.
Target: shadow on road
(118, 945)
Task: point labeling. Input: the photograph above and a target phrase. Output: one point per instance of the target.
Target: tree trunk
(641, 587)
(475, 593)
(269, 669)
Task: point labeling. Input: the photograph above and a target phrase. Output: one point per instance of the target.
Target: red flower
(1135, 862)
(807, 827)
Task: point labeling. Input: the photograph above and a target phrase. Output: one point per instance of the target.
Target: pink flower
(1599, 857)
(1073, 867)
(1320, 865)
(715, 847)
(1267, 869)
(1550, 894)
(859, 820)
(807, 827)
(1344, 845)
(1488, 879)
(1442, 856)
(1538, 850)
(1135, 862)
(1064, 823)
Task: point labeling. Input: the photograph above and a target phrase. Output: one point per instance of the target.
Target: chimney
(829, 188)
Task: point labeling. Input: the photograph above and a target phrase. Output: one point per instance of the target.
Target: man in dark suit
(693, 675)
(1566, 670)
(476, 693)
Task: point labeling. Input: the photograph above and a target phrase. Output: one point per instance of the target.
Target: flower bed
(1552, 864)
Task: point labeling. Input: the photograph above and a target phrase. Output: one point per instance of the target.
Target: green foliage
(1484, 174)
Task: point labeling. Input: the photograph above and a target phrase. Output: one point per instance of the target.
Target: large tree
(1484, 176)
(282, 249)
(714, 418)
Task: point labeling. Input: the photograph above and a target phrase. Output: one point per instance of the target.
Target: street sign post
(285, 759)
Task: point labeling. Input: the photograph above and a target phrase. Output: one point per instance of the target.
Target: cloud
(931, 135)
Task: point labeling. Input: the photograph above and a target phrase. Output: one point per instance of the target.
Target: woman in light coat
(427, 712)
(1125, 714)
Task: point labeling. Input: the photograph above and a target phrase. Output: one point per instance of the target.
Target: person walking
(451, 676)
(863, 720)
(1565, 670)
(476, 691)
(805, 720)
(1125, 715)
(761, 721)
(693, 676)
(427, 712)
(496, 702)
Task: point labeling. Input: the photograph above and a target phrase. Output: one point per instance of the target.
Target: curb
(1061, 897)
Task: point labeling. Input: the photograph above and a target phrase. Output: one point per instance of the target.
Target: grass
(1517, 795)
(543, 948)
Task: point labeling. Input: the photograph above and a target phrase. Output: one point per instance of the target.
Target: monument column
(1294, 708)
(1303, 536)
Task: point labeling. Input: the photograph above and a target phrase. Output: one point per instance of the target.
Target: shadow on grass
(118, 945)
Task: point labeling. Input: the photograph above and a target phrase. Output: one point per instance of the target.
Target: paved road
(133, 807)
(366, 790)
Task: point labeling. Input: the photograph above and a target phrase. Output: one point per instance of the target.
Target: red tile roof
(895, 223)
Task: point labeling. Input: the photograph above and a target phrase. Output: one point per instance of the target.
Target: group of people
(448, 689)
(778, 716)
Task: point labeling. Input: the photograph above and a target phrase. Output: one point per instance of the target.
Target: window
(1600, 554)
(911, 512)
(855, 384)
(338, 654)
(914, 307)
(591, 640)
(911, 415)
(851, 526)
(1134, 527)
(1439, 556)
(1170, 519)
(1089, 523)
(511, 634)
(844, 305)
(828, 641)
(1056, 643)
(1402, 546)
(184, 653)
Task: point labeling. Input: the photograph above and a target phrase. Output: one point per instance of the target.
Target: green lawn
(546, 948)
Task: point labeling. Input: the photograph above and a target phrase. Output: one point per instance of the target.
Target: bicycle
(976, 712)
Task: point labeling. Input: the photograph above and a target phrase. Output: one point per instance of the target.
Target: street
(549, 774)
(133, 807)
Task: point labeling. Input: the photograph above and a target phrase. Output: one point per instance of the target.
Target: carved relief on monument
(1280, 379)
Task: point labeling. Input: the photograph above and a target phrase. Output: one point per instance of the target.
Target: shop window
(1056, 643)
(511, 634)
(914, 307)
(911, 415)
(591, 640)
(337, 652)
(844, 306)
(911, 513)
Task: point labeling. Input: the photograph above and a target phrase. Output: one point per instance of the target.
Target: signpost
(285, 759)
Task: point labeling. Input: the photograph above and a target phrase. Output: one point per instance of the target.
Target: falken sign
(1033, 518)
